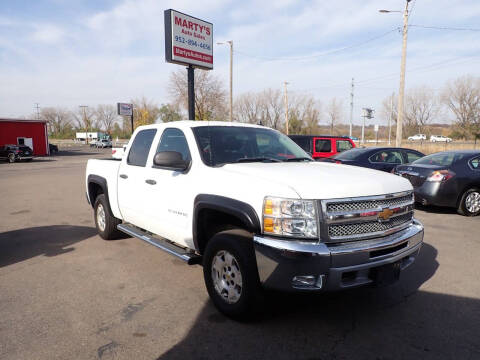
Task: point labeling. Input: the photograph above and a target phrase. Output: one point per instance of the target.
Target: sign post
(188, 41)
(125, 109)
(376, 134)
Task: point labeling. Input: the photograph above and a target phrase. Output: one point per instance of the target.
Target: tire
(107, 228)
(11, 158)
(470, 203)
(235, 247)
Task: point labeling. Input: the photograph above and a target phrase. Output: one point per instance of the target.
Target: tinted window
(174, 140)
(412, 156)
(140, 148)
(387, 156)
(343, 145)
(229, 144)
(475, 163)
(441, 159)
(304, 143)
(323, 145)
(352, 154)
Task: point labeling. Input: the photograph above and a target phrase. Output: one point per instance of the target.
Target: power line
(320, 54)
(444, 28)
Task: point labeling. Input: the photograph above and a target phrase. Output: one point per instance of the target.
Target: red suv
(320, 146)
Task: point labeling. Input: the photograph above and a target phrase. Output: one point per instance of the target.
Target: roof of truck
(197, 123)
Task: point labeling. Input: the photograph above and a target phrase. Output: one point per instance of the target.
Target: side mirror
(170, 160)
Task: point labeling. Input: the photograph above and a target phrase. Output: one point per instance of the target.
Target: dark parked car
(378, 158)
(53, 148)
(450, 178)
(12, 153)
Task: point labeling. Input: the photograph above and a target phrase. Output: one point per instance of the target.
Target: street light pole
(401, 91)
(230, 42)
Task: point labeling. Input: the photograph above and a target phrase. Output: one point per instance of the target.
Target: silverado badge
(385, 214)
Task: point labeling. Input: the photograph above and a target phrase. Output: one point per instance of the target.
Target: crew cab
(255, 211)
(321, 146)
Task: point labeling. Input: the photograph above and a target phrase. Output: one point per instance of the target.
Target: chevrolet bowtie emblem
(385, 214)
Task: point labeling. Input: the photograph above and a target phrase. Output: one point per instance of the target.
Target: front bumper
(333, 266)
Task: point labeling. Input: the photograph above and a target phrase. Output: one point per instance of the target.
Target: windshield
(350, 154)
(220, 145)
(440, 159)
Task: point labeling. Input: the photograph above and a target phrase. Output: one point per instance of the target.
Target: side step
(189, 257)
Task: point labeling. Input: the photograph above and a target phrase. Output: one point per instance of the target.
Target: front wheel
(105, 222)
(470, 203)
(231, 275)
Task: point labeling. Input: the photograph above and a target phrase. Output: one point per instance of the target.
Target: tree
(210, 95)
(59, 120)
(85, 118)
(389, 112)
(421, 106)
(144, 112)
(304, 114)
(169, 112)
(334, 113)
(106, 116)
(462, 97)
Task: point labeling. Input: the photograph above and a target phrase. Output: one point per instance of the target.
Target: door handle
(150, 182)
(123, 176)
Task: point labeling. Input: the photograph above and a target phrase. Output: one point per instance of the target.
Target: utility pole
(37, 107)
(83, 107)
(230, 42)
(351, 108)
(390, 120)
(231, 79)
(401, 91)
(286, 104)
(367, 113)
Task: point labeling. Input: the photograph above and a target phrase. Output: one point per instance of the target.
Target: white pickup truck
(255, 210)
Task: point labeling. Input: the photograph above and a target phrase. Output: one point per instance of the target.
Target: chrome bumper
(333, 266)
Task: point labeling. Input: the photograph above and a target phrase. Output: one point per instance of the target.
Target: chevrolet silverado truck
(255, 211)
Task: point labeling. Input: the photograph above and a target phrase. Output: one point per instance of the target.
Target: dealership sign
(125, 109)
(188, 40)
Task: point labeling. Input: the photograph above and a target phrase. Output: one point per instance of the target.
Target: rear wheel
(231, 275)
(11, 158)
(105, 222)
(470, 203)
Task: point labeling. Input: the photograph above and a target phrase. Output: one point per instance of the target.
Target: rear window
(475, 163)
(440, 159)
(323, 145)
(343, 145)
(141, 147)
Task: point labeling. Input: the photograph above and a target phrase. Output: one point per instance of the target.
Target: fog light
(307, 282)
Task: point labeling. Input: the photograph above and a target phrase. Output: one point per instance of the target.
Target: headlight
(289, 217)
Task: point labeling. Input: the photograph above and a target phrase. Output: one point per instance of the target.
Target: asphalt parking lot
(67, 294)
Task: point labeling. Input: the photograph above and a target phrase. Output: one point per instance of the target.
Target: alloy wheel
(226, 276)
(472, 202)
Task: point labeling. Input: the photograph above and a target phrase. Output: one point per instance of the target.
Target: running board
(183, 254)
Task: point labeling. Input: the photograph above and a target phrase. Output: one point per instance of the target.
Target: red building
(32, 133)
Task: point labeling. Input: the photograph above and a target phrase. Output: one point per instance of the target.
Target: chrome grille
(368, 204)
(370, 227)
(352, 219)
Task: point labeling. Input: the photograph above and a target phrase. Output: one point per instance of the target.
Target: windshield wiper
(298, 159)
(257, 159)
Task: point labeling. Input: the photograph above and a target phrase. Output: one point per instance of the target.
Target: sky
(86, 52)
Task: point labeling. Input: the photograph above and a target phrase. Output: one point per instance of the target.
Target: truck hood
(319, 180)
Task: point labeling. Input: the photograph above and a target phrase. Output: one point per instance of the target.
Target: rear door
(386, 160)
(322, 147)
(131, 178)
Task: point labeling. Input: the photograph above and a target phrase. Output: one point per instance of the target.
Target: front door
(169, 192)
